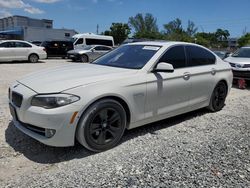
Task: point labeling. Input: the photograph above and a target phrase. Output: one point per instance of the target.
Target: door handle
(186, 76)
(213, 71)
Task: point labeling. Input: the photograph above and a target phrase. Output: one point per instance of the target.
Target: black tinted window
(99, 42)
(98, 48)
(175, 56)
(7, 45)
(22, 45)
(199, 56)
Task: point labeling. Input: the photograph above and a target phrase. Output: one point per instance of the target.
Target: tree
(244, 40)
(191, 29)
(119, 31)
(174, 27)
(174, 31)
(144, 26)
(222, 35)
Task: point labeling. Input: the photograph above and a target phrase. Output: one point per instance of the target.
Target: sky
(84, 15)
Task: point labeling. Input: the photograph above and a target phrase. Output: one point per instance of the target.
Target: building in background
(29, 29)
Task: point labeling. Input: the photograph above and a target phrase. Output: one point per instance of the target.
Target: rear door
(22, 50)
(202, 69)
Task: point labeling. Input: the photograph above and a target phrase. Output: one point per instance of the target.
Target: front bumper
(73, 56)
(35, 121)
(237, 74)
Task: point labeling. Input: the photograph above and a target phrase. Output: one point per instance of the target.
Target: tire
(84, 58)
(217, 101)
(102, 126)
(33, 58)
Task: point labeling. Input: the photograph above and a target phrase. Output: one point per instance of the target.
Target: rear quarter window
(198, 56)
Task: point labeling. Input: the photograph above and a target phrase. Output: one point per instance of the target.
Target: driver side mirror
(163, 67)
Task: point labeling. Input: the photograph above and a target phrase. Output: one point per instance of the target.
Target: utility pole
(97, 29)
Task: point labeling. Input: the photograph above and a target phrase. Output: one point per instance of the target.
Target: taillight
(44, 49)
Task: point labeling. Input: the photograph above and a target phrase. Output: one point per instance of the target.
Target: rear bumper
(43, 56)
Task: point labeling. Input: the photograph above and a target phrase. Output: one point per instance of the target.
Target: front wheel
(102, 125)
(84, 59)
(217, 101)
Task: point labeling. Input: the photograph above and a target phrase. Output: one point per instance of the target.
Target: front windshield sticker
(155, 48)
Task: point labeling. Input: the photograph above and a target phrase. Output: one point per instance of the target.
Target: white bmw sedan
(133, 85)
(18, 50)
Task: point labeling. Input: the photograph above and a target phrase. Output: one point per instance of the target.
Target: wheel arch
(225, 82)
(84, 54)
(33, 53)
(119, 99)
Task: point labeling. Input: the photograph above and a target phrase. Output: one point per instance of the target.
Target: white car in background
(240, 62)
(18, 50)
(133, 85)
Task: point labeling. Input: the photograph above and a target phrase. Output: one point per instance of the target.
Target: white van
(80, 40)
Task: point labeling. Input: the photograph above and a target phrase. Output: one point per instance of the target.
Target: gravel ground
(198, 149)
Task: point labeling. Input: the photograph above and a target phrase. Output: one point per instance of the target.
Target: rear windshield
(128, 56)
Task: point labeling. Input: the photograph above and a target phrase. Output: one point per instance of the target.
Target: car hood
(77, 51)
(238, 60)
(63, 78)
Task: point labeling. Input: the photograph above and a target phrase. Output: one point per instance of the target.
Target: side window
(4, 45)
(99, 42)
(7, 45)
(79, 41)
(175, 56)
(98, 48)
(106, 48)
(199, 56)
(22, 45)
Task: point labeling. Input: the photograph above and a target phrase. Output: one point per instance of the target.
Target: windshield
(242, 52)
(73, 39)
(128, 56)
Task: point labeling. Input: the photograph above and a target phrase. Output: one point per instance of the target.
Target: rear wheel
(217, 101)
(33, 58)
(84, 58)
(102, 126)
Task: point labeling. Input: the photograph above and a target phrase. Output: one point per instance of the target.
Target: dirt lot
(198, 149)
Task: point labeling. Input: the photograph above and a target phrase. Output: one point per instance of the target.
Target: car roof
(161, 43)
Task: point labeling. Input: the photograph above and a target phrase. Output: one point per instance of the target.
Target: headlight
(53, 100)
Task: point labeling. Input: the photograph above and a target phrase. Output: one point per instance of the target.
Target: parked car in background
(88, 53)
(38, 43)
(56, 48)
(133, 85)
(240, 63)
(18, 50)
(87, 39)
(222, 54)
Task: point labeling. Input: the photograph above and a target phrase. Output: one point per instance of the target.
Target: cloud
(19, 4)
(12, 4)
(33, 10)
(4, 13)
(46, 1)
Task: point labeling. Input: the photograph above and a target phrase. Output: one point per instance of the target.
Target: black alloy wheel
(102, 125)
(218, 97)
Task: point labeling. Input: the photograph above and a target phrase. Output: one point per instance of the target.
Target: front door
(169, 93)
